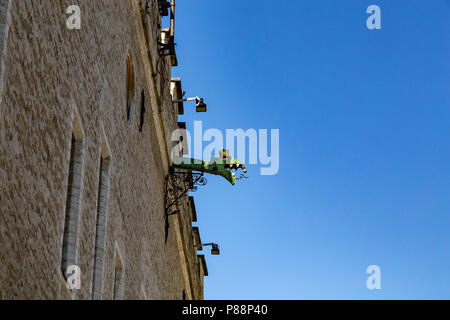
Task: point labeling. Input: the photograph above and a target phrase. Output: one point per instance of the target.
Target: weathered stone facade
(57, 83)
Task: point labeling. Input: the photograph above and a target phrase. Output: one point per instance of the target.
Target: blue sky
(364, 145)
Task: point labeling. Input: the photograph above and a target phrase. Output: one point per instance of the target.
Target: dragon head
(231, 166)
(232, 163)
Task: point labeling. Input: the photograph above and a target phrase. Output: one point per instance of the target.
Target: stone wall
(51, 75)
(4, 4)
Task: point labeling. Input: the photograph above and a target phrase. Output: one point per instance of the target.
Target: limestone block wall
(4, 5)
(51, 76)
(4, 31)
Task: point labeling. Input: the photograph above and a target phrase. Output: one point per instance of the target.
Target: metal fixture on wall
(178, 183)
(214, 250)
(200, 105)
(167, 48)
(164, 6)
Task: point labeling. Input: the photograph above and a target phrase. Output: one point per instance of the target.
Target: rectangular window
(100, 228)
(118, 278)
(69, 248)
(4, 27)
(118, 284)
(143, 294)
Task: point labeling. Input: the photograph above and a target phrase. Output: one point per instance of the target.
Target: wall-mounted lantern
(200, 105)
(214, 248)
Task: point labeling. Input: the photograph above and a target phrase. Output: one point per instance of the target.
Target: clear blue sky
(364, 145)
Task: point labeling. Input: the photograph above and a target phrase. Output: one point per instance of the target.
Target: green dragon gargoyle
(221, 166)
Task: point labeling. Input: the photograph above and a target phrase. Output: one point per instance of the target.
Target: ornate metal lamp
(200, 105)
(178, 183)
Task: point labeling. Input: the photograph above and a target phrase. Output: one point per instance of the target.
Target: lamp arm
(204, 245)
(187, 99)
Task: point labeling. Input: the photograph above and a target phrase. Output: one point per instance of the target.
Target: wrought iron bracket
(178, 184)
